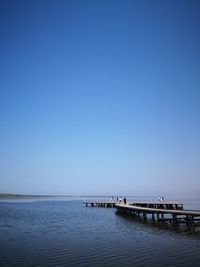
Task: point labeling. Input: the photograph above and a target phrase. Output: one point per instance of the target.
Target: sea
(61, 231)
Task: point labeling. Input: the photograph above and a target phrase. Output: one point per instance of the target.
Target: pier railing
(105, 203)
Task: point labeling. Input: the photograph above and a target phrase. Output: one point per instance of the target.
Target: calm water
(63, 233)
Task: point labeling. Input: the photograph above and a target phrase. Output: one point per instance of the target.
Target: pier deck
(100, 203)
(160, 211)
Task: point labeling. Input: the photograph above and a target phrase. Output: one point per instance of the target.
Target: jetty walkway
(169, 211)
(100, 203)
(172, 212)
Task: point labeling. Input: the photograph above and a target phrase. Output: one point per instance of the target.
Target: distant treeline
(10, 195)
(23, 195)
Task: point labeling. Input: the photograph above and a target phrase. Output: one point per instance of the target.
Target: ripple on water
(63, 233)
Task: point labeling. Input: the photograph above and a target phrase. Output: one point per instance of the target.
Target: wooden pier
(100, 203)
(172, 212)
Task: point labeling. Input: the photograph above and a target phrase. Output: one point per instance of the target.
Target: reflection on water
(64, 233)
(192, 229)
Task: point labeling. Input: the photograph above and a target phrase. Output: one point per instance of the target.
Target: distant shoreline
(26, 195)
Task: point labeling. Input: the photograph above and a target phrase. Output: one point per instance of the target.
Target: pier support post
(174, 218)
(189, 218)
(144, 215)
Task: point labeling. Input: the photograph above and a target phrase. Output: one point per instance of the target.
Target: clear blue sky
(100, 97)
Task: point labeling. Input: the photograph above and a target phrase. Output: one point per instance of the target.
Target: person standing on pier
(124, 200)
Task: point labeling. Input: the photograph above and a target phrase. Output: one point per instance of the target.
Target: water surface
(64, 233)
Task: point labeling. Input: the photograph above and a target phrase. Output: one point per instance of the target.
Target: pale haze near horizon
(100, 97)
